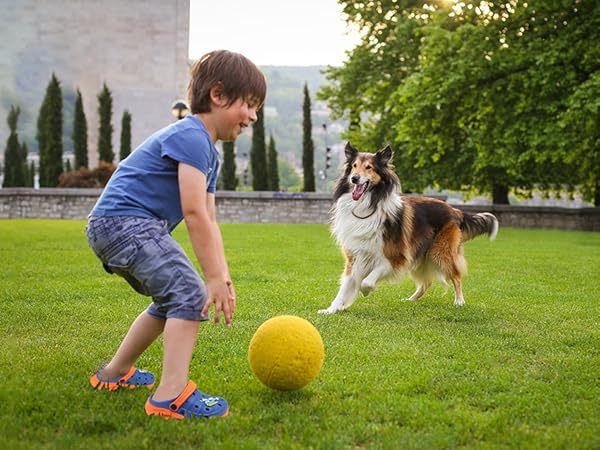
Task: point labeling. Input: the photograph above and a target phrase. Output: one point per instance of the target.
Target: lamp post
(180, 109)
(327, 153)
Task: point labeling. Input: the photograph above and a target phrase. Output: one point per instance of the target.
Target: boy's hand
(222, 295)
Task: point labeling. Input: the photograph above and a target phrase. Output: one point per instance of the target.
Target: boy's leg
(179, 340)
(144, 330)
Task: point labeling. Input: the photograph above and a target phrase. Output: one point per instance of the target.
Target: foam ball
(286, 353)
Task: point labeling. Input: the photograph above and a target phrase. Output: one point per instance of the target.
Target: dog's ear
(350, 151)
(384, 155)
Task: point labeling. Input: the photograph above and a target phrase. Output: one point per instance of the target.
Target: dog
(385, 234)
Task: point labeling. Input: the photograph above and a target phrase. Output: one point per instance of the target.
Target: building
(138, 48)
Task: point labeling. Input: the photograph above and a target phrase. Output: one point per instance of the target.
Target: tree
(289, 176)
(272, 166)
(470, 94)
(15, 163)
(579, 123)
(258, 154)
(80, 146)
(308, 149)
(360, 90)
(105, 148)
(50, 128)
(230, 181)
(125, 148)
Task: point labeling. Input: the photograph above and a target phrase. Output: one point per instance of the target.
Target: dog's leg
(459, 300)
(348, 288)
(345, 296)
(422, 286)
(368, 284)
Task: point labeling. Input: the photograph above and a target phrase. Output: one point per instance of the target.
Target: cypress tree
(14, 163)
(258, 154)
(50, 124)
(80, 148)
(41, 133)
(105, 149)
(228, 172)
(308, 149)
(272, 169)
(125, 148)
(23, 152)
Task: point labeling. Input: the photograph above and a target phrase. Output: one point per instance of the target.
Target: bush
(87, 178)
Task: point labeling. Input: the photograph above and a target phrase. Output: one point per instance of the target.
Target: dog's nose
(355, 179)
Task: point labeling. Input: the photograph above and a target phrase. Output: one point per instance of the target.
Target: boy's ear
(216, 94)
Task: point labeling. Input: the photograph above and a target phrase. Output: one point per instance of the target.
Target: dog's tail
(473, 225)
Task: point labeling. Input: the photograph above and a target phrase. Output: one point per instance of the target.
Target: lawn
(517, 367)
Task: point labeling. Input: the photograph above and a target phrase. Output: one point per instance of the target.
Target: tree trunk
(500, 194)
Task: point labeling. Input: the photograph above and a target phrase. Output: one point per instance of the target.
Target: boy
(169, 177)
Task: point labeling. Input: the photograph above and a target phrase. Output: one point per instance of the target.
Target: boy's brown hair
(237, 75)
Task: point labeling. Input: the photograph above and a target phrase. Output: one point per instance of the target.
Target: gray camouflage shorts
(143, 252)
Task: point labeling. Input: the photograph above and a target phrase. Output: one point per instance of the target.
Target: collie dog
(383, 233)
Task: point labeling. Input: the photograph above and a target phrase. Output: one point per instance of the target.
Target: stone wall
(276, 207)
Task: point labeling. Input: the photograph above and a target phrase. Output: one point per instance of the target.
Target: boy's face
(234, 118)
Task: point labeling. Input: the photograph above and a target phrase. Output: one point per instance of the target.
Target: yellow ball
(286, 353)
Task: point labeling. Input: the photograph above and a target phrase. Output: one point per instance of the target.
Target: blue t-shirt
(145, 183)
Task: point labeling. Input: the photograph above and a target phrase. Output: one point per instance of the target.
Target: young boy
(170, 177)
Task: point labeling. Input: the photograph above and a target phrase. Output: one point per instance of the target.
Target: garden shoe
(190, 404)
(135, 378)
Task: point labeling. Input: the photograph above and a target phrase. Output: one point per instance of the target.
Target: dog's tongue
(358, 191)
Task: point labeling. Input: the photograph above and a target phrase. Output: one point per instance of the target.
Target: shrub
(87, 178)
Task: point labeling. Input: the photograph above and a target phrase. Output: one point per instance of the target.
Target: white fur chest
(362, 234)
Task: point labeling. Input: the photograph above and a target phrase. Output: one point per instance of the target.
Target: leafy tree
(478, 108)
(288, 175)
(258, 154)
(50, 124)
(105, 148)
(272, 166)
(80, 145)
(125, 148)
(579, 124)
(308, 149)
(230, 181)
(389, 52)
(15, 162)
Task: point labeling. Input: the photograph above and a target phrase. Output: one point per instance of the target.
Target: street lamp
(180, 109)
(327, 153)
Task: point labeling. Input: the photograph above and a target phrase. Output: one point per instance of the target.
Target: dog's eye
(354, 165)
(368, 168)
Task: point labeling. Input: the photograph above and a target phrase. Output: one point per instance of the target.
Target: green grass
(517, 367)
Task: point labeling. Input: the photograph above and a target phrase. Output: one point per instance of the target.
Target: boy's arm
(206, 240)
(212, 213)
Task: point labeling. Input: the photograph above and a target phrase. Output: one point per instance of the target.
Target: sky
(272, 32)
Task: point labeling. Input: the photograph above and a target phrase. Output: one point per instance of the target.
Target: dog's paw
(366, 288)
(459, 302)
(328, 311)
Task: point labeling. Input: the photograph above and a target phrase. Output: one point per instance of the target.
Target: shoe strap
(187, 392)
(127, 376)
